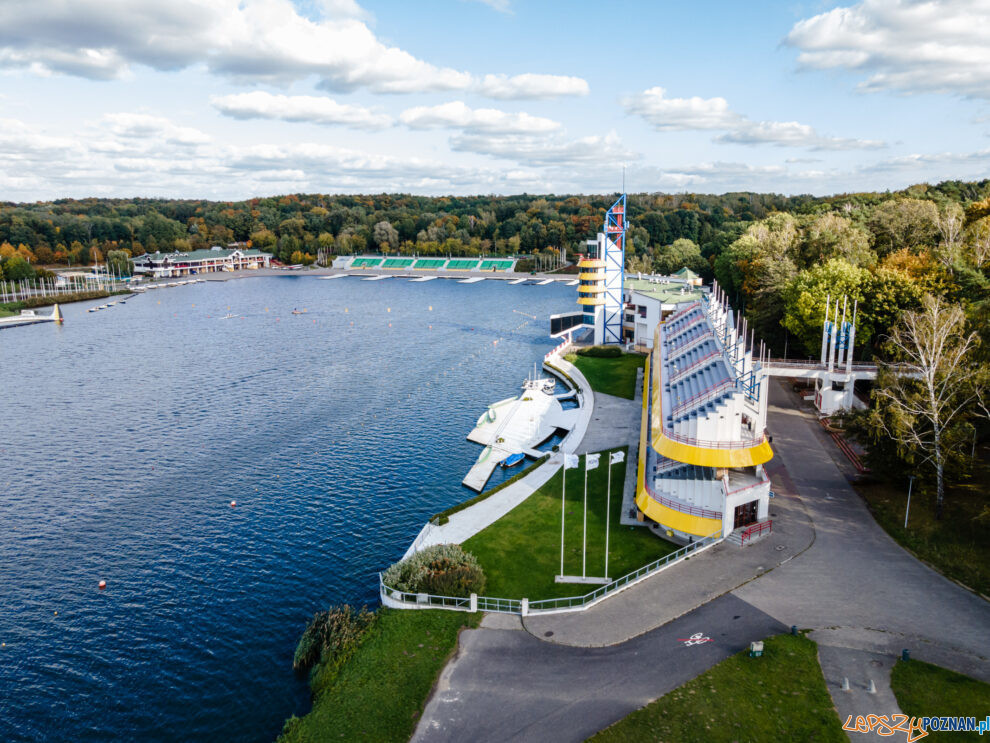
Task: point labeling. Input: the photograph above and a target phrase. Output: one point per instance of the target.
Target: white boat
(229, 316)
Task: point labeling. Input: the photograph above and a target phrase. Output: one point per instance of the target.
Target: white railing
(402, 599)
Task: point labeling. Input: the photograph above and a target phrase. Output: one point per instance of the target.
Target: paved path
(859, 667)
(508, 685)
(854, 576)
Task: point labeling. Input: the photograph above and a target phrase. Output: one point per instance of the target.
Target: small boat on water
(229, 316)
(513, 459)
(300, 312)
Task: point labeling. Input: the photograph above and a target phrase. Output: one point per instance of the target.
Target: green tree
(834, 236)
(16, 268)
(804, 301)
(903, 223)
(926, 402)
(682, 252)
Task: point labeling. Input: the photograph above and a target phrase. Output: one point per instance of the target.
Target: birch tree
(933, 386)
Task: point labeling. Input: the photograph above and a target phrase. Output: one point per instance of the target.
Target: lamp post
(908, 509)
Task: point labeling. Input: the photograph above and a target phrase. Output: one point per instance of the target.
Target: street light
(908, 509)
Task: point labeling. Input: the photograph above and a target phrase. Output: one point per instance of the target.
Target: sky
(229, 99)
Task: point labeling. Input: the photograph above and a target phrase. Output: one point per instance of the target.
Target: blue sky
(236, 98)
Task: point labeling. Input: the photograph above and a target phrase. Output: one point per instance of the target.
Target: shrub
(601, 352)
(330, 636)
(442, 569)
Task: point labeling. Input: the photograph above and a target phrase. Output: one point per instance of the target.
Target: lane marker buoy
(233, 503)
(102, 584)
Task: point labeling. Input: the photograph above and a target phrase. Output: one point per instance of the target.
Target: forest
(776, 256)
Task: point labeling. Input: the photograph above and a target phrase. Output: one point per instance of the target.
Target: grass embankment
(924, 690)
(781, 696)
(378, 693)
(444, 516)
(520, 552)
(613, 376)
(956, 545)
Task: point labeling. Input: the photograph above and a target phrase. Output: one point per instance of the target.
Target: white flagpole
(563, 509)
(608, 510)
(584, 535)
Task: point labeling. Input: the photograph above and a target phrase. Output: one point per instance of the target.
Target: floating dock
(517, 281)
(472, 280)
(544, 282)
(423, 278)
(517, 425)
(30, 317)
(375, 278)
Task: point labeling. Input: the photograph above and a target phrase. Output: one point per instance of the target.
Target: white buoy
(233, 503)
(102, 584)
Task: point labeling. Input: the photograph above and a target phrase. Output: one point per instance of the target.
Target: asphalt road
(510, 686)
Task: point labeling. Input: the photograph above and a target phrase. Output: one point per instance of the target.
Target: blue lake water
(126, 434)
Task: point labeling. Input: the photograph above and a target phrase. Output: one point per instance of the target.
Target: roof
(686, 273)
(666, 293)
(201, 255)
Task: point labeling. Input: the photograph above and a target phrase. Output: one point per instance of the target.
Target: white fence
(403, 600)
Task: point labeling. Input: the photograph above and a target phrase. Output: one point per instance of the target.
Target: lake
(128, 432)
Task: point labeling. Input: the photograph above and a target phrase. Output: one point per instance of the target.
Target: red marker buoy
(233, 503)
(102, 584)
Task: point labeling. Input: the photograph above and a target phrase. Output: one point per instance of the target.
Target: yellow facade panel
(591, 300)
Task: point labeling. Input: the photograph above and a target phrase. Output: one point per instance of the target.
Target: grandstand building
(703, 444)
(405, 263)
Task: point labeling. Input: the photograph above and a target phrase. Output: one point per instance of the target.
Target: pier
(517, 425)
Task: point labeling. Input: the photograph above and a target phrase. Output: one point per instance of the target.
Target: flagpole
(563, 508)
(608, 510)
(584, 535)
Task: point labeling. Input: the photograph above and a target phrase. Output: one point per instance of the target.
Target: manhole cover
(780, 548)
(548, 634)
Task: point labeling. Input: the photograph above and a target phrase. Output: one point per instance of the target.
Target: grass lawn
(521, 551)
(924, 690)
(380, 691)
(616, 376)
(6, 313)
(781, 696)
(956, 545)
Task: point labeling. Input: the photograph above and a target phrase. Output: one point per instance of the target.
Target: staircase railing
(704, 396)
(755, 530)
(693, 365)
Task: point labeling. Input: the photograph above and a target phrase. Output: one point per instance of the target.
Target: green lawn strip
(957, 544)
(779, 697)
(521, 551)
(924, 690)
(379, 692)
(444, 516)
(615, 376)
(7, 313)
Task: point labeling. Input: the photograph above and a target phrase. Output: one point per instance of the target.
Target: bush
(330, 636)
(601, 352)
(442, 569)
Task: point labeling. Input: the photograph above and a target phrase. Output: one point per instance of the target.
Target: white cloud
(693, 114)
(502, 6)
(792, 134)
(299, 108)
(543, 151)
(531, 85)
(252, 41)
(904, 45)
(457, 115)
(156, 128)
(680, 114)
